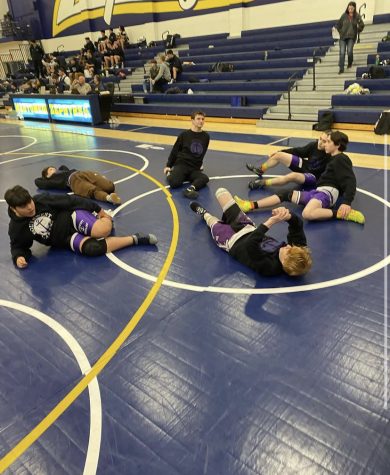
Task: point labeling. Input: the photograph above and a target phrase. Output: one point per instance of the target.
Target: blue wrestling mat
(176, 359)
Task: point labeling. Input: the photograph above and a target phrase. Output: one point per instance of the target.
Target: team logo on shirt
(196, 147)
(41, 225)
(68, 13)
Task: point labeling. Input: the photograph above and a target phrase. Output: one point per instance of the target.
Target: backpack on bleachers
(222, 68)
(325, 122)
(382, 127)
(376, 72)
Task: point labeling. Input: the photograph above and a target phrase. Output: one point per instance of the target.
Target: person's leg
(247, 205)
(273, 160)
(93, 247)
(198, 180)
(350, 45)
(177, 176)
(89, 225)
(342, 46)
(314, 211)
(293, 177)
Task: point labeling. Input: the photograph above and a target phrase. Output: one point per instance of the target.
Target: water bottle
(265, 55)
(377, 60)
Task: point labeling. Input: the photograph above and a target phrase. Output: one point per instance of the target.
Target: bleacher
(365, 109)
(264, 62)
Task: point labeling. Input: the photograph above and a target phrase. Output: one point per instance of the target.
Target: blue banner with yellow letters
(70, 17)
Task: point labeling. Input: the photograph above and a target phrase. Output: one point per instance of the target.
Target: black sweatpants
(180, 173)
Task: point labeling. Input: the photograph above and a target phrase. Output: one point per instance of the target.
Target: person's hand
(167, 170)
(102, 214)
(343, 211)
(21, 262)
(281, 214)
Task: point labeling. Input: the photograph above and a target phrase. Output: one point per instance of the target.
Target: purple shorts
(298, 165)
(305, 196)
(223, 232)
(83, 221)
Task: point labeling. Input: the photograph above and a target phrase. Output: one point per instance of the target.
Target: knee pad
(220, 192)
(285, 196)
(94, 247)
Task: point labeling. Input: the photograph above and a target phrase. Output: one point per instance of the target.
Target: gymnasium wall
(67, 22)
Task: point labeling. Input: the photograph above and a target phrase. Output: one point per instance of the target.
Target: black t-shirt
(189, 149)
(52, 224)
(316, 160)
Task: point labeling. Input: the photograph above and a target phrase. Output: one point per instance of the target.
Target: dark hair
(340, 139)
(195, 113)
(354, 5)
(121, 27)
(17, 196)
(103, 31)
(169, 52)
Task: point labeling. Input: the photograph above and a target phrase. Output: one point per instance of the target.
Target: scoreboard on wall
(69, 108)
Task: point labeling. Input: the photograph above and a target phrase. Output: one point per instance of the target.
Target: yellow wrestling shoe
(245, 205)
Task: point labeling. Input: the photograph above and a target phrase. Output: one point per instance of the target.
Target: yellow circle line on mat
(107, 356)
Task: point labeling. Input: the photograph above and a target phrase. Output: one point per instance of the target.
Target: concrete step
(285, 124)
(298, 100)
(310, 94)
(312, 117)
(298, 108)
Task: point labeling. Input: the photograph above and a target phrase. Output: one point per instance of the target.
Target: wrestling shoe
(144, 239)
(252, 168)
(244, 205)
(256, 184)
(355, 216)
(114, 199)
(191, 193)
(198, 208)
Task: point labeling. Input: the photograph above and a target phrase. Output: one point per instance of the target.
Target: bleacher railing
(291, 84)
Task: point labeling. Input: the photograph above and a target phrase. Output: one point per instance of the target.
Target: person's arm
(296, 235)
(207, 141)
(175, 150)
(20, 251)
(159, 73)
(44, 183)
(347, 179)
(339, 24)
(63, 168)
(302, 152)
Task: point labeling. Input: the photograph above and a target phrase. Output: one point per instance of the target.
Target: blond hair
(297, 261)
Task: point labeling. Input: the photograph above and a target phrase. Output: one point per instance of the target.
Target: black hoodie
(52, 224)
(59, 180)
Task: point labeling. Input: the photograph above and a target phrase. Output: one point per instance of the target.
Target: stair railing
(314, 59)
(363, 16)
(291, 85)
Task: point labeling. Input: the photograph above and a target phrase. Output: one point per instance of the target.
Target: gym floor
(176, 359)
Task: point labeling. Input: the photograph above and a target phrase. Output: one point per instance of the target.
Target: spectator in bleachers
(50, 64)
(123, 38)
(32, 86)
(79, 86)
(163, 75)
(349, 25)
(111, 35)
(74, 66)
(117, 54)
(63, 82)
(153, 71)
(92, 61)
(102, 37)
(88, 46)
(97, 85)
(175, 65)
(36, 53)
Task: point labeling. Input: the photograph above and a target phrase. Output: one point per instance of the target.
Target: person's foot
(355, 216)
(341, 71)
(114, 199)
(245, 205)
(191, 193)
(198, 208)
(256, 184)
(349, 66)
(144, 239)
(252, 168)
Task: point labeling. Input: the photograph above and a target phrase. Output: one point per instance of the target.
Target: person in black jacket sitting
(175, 65)
(249, 244)
(185, 161)
(68, 222)
(337, 179)
(85, 183)
(306, 164)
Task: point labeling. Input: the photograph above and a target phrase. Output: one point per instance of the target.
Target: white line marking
(385, 283)
(95, 428)
(279, 140)
(21, 148)
(272, 290)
